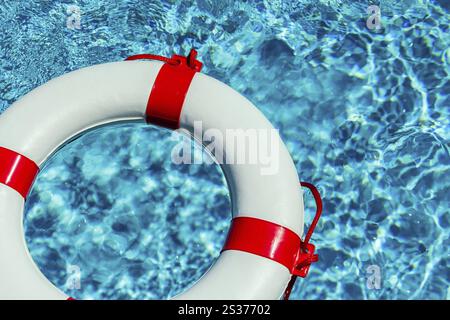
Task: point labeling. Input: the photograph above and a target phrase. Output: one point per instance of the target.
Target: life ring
(263, 251)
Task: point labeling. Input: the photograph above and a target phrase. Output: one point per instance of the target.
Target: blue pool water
(364, 113)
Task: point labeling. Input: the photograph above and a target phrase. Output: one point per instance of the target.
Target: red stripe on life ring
(168, 94)
(265, 239)
(17, 171)
(170, 88)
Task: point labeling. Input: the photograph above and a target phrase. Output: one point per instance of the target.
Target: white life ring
(47, 117)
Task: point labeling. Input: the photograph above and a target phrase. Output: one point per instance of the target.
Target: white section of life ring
(52, 114)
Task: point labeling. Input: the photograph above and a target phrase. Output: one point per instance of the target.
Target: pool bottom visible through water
(363, 112)
(128, 220)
